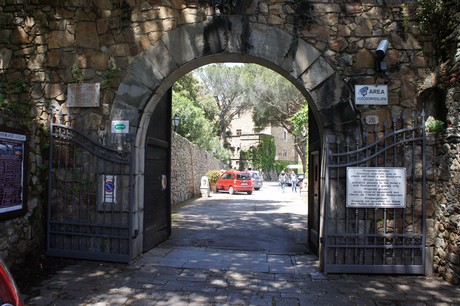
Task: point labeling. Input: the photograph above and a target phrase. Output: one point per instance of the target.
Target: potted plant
(213, 176)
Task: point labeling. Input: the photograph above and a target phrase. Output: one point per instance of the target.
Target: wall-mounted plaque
(13, 161)
(83, 95)
(120, 127)
(371, 94)
(372, 119)
(376, 187)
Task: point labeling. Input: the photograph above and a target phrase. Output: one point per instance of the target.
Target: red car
(9, 293)
(235, 181)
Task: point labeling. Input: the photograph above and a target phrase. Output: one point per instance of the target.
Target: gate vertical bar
(414, 200)
(423, 190)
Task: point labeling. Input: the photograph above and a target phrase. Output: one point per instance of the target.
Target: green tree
(226, 85)
(189, 87)
(300, 131)
(278, 102)
(195, 126)
(275, 99)
(223, 91)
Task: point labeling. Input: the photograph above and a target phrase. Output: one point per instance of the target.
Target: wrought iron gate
(90, 197)
(374, 238)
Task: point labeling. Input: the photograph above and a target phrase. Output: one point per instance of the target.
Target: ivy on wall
(438, 17)
(261, 156)
(13, 102)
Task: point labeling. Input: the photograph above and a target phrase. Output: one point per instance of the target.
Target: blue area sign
(371, 94)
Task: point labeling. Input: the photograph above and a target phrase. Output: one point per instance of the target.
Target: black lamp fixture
(176, 121)
(380, 63)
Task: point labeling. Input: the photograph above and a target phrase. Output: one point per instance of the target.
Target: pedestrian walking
(282, 178)
(293, 181)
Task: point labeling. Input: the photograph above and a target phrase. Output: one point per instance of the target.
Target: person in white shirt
(293, 181)
(282, 178)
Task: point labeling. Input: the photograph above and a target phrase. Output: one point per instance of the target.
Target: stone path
(182, 276)
(249, 250)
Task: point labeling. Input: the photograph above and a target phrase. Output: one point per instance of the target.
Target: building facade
(245, 135)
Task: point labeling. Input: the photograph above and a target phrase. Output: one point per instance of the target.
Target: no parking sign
(109, 187)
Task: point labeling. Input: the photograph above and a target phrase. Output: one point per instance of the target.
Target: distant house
(244, 135)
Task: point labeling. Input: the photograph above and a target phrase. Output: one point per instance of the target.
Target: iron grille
(90, 197)
(374, 239)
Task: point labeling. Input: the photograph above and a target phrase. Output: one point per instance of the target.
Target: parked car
(257, 180)
(9, 293)
(235, 181)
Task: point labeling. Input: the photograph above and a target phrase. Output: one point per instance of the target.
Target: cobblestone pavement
(202, 264)
(182, 276)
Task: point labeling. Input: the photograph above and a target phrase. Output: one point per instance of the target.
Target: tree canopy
(278, 102)
(194, 112)
(226, 85)
(209, 98)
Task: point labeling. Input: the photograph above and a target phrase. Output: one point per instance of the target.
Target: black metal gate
(371, 236)
(90, 197)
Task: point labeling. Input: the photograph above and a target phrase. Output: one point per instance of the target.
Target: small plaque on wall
(83, 95)
(372, 119)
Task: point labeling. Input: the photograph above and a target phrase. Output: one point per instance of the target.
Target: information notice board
(12, 173)
(376, 187)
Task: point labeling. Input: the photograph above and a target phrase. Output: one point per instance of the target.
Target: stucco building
(245, 135)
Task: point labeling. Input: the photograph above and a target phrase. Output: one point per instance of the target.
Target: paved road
(235, 250)
(266, 221)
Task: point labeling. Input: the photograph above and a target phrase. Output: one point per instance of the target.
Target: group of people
(283, 179)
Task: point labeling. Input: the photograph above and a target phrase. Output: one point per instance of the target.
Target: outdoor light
(382, 48)
(176, 121)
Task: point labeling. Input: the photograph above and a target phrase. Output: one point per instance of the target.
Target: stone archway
(227, 39)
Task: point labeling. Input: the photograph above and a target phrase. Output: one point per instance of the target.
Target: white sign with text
(371, 94)
(376, 187)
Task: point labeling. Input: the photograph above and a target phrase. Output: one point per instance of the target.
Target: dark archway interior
(432, 101)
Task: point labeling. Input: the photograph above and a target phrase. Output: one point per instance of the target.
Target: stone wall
(44, 47)
(188, 164)
(446, 226)
(446, 187)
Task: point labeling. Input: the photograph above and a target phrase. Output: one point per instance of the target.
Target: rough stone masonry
(45, 47)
